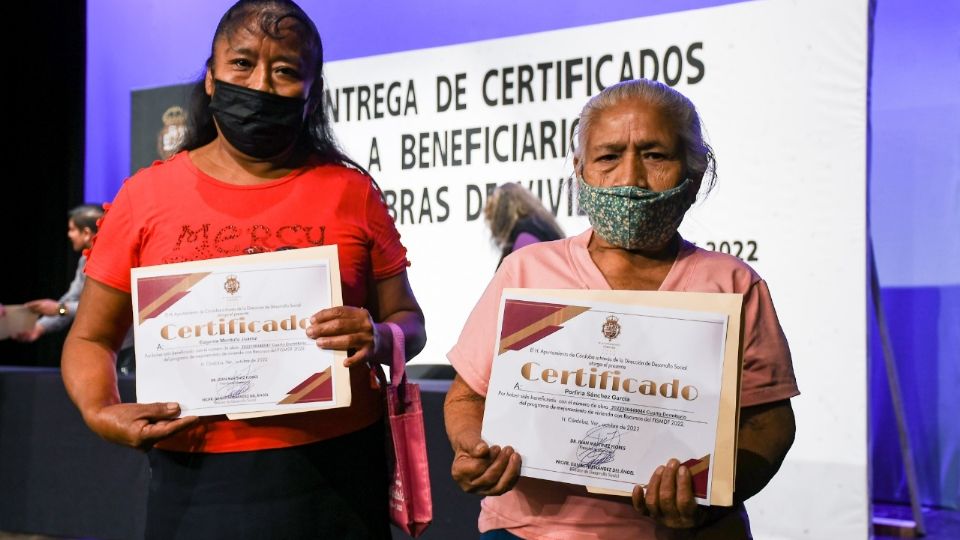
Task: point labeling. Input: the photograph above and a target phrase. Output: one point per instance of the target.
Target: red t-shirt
(173, 212)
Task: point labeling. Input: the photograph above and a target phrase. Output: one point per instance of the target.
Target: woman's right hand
(483, 469)
(89, 371)
(138, 425)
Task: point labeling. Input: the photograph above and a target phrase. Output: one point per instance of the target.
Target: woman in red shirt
(260, 171)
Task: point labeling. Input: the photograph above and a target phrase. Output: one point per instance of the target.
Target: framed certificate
(599, 388)
(228, 336)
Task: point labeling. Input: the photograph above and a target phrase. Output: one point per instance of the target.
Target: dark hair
(86, 216)
(267, 16)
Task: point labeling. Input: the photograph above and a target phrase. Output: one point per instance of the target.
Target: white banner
(781, 88)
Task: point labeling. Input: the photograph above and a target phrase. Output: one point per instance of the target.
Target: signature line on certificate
(584, 473)
(602, 399)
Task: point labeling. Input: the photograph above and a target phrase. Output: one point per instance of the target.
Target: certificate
(599, 388)
(228, 336)
(17, 319)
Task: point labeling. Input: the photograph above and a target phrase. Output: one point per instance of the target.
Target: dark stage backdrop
(43, 150)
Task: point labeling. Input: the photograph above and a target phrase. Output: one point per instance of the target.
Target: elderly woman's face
(254, 60)
(632, 144)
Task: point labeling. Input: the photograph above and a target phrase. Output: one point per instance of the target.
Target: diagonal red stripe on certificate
(317, 387)
(151, 288)
(533, 338)
(520, 316)
(158, 309)
(300, 387)
(156, 294)
(700, 469)
(323, 392)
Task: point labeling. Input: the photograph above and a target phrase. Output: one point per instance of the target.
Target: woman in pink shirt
(640, 162)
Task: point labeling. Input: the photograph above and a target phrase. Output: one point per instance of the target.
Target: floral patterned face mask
(635, 218)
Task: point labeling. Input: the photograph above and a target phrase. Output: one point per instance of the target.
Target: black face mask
(259, 124)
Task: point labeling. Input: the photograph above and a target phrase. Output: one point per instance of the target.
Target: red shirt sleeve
(116, 245)
(388, 257)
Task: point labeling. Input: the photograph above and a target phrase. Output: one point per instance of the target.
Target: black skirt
(330, 489)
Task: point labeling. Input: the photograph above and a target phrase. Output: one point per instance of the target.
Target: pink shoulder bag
(411, 508)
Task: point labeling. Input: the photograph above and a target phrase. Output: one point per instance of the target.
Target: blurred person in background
(516, 218)
(56, 315)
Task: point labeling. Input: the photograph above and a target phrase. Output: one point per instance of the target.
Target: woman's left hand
(669, 496)
(345, 328)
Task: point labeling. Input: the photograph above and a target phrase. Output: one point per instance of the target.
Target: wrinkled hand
(482, 469)
(46, 307)
(669, 496)
(138, 425)
(345, 328)
(30, 335)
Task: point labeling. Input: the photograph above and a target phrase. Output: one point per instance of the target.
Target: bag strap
(398, 374)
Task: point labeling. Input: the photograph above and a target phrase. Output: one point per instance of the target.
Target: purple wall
(915, 225)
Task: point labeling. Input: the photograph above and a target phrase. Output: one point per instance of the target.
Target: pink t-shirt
(543, 509)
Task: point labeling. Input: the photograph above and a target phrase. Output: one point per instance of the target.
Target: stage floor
(941, 525)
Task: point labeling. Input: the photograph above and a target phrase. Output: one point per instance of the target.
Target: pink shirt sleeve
(472, 356)
(767, 365)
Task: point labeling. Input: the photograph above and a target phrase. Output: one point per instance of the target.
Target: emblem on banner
(611, 328)
(232, 285)
(173, 132)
